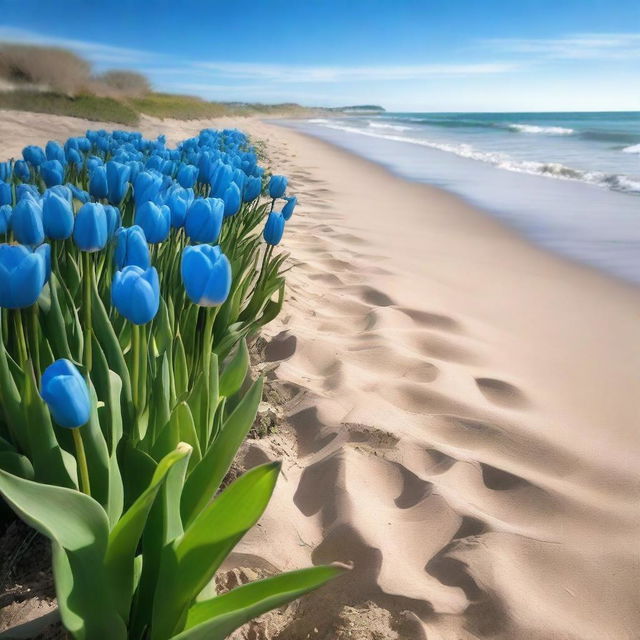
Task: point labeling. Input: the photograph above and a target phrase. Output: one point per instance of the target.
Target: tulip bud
(52, 172)
(252, 188)
(5, 193)
(206, 274)
(232, 200)
(287, 210)
(274, 228)
(131, 248)
(113, 220)
(22, 276)
(54, 151)
(117, 181)
(98, 182)
(135, 293)
(277, 186)
(5, 218)
(90, 231)
(33, 155)
(155, 221)
(146, 187)
(178, 201)
(57, 216)
(66, 393)
(21, 170)
(187, 175)
(204, 220)
(26, 222)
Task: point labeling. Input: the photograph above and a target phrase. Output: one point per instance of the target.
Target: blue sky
(479, 55)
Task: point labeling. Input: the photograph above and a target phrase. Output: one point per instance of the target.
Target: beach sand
(457, 411)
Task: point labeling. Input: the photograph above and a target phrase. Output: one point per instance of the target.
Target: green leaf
(215, 619)
(235, 371)
(79, 528)
(54, 323)
(205, 479)
(124, 539)
(10, 402)
(191, 561)
(181, 373)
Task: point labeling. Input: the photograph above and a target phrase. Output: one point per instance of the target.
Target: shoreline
(457, 414)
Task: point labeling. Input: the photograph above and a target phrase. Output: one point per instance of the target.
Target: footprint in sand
(502, 393)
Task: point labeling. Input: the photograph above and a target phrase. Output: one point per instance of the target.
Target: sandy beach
(457, 413)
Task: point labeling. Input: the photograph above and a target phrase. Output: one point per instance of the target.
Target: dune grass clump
(131, 277)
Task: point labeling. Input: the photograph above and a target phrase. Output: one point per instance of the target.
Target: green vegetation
(81, 106)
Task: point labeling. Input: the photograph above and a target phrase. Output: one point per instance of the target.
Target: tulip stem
(20, 339)
(135, 373)
(82, 462)
(87, 282)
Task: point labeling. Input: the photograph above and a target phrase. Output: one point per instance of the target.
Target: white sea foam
(393, 127)
(504, 161)
(532, 128)
(318, 121)
(634, 148)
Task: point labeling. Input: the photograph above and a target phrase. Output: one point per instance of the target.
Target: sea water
(569, 181)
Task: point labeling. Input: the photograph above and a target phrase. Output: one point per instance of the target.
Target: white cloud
(581, 46)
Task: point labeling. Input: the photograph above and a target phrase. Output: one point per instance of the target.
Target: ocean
(568, 181)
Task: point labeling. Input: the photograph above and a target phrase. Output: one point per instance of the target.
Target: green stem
(87, 281)
(135, 374)
(20, 338)
(35, 340)
(82, 462)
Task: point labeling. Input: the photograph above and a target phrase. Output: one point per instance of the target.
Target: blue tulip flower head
(277, 186)
(57, 216)
(66, 393)
(5, 171)
(52, 172)
(204, 220)
(187, 175)
(54, 151)
(252, 188)
(79, 194)
(5, 193)
(131, 248)
(90, 232)
(21, 170)
(33, 155)
(155, 221)
(26, 221)
(146, 187)
(206, 274)
(178, 201)
(22, 276)
(98, 187)
(287, 210)
(113, 219)
(117, 181)
(5, 218)
(135, 293)
(73, 157)
(232, 200)
(274, 228)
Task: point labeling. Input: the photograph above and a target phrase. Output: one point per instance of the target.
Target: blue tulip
(57, 216)
(117, 181)
(5, 171)
(135, 293)
(66, 393)
(22, 276)
(24, 189)
(54, 151)
(21, 170)
(155, 221)
(52, 172)
(203, 221)
(73, 157)
(274, 228)
(98, 187)
(232, 200)
(79, 194)
(26, 222)
(277, 186)
(61, 190)
(113, 219)
(287, 210)
(221, 178)
(5, 218)
(187, 175)
(131, 248)
(206, 274)
(93, 162)
(90, 232)
(5, 193)
(146, 187)
(178, 201)
(252, 189)
(33, 155)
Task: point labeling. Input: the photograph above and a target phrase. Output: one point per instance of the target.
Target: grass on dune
(81, 106)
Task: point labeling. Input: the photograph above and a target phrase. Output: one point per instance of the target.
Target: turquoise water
(569, 181)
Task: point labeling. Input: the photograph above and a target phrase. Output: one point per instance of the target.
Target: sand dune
(460, 417)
